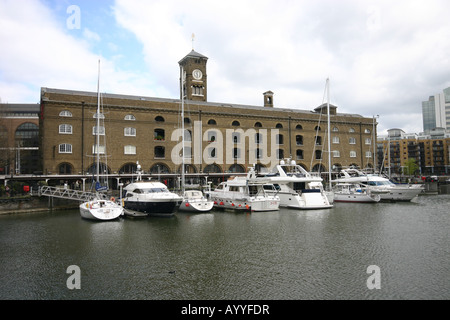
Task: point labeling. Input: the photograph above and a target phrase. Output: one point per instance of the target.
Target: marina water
(285, 254)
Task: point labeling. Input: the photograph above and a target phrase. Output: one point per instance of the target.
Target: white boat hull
(401, 193)
(356, 197)
(196, 206)
(305, 201)
(269, 203)
(100, 210)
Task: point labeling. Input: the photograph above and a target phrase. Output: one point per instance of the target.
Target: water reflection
(286, 254)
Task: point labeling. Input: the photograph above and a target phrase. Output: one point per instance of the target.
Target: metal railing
(69, 194)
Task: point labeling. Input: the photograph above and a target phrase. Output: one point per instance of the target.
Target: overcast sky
(382, 57)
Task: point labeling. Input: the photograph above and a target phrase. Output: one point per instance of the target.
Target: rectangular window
(130, 150)
(336, 154)
(101, 130)
(129, 132)
(65, 148)
(352, 141)
(352, 154)
(335, 140)
(65, 129)
(101, 149)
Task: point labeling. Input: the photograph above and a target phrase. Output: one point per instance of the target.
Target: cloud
(382, 57)
(40, 51)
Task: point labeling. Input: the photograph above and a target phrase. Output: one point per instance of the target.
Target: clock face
(197, 74)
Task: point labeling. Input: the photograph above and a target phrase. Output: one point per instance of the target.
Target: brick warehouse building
(222, 137)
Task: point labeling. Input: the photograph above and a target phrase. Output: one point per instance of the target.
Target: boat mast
(98, 125)
(328, 138)
(182, 130)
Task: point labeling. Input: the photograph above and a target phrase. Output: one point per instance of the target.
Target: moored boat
(151, 197)
(245, 194)
(388, 190)
(99, 209)
(195, 201)
(297, 188)
(353, 192)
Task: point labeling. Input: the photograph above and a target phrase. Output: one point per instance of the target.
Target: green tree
(410, 167)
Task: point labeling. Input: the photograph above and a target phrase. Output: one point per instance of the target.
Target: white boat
(390, 191)
(353, 192)
(149, 197)
(195, 201)
(99, 208)
(245, 194)
(297, 188)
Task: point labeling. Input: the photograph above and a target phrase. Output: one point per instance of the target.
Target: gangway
(69, 194)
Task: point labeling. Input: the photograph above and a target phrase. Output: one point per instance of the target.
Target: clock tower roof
(193, 54)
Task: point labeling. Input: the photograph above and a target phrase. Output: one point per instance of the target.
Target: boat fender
(113, 199)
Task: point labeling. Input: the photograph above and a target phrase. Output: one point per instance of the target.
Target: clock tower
(193, 76)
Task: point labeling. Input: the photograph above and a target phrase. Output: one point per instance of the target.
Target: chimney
(268, 99)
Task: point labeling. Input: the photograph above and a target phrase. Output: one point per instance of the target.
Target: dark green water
(224, 255)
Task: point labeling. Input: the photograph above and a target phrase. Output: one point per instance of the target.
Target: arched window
(159, 119)
(258, 125)
(128, 168)
(212, 168)
(279, 126)
(159, 168)
(130, 117)
(65, 113)
(65, 168)
(235, 123)
(212, 122)
(299, 127)
(236, 168)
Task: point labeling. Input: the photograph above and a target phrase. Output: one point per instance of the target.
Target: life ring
(113, 199)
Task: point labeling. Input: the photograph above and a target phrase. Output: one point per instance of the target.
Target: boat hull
(401, 194)
(196, 206)
(305, 201)
(264, 204)
(359, 198)
(154, 207)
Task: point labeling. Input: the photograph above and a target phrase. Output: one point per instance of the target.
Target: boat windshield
(151, 190)
(380, 183)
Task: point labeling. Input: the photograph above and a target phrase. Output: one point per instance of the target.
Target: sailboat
(100, 208)
(193, 200)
